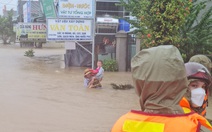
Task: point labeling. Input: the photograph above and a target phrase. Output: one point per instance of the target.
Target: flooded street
(38, 95)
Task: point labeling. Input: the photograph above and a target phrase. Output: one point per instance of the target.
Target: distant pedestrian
(94, 77)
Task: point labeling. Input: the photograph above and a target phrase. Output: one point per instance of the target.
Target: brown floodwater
(39, 95)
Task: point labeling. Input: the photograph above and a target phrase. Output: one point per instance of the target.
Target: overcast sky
(9, 5)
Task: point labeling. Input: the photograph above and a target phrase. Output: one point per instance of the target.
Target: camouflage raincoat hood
(202, 59)
(160, 79)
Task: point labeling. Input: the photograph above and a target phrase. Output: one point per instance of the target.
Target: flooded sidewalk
(39, 95)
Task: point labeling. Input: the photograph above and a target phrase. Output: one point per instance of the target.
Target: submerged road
(38, 95)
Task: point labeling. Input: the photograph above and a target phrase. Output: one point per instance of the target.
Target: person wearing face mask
(196, 98)
(160, 81)
(205, 61)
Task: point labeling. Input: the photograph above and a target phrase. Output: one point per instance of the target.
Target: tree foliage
(196, 33)
(158, 21)
(6, 27)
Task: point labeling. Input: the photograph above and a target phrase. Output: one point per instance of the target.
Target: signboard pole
(94, 35)
(93, 51)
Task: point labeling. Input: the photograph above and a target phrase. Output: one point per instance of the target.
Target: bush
(29, 53)
(110, 65)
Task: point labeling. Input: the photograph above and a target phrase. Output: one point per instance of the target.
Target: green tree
(197, 31)
(158, 21)
(6, 27)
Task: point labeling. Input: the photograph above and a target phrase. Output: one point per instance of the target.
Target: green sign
(48, 8)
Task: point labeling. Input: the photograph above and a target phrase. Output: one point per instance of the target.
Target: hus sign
(31, 31)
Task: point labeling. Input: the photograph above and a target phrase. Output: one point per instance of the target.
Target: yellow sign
(28, 31)
(69, 29)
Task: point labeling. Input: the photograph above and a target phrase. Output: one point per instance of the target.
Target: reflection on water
(39, 95)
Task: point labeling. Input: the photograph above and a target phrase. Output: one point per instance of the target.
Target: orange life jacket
(200, 110)
(137, 121)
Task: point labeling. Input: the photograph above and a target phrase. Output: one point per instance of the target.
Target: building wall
(35, 9)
